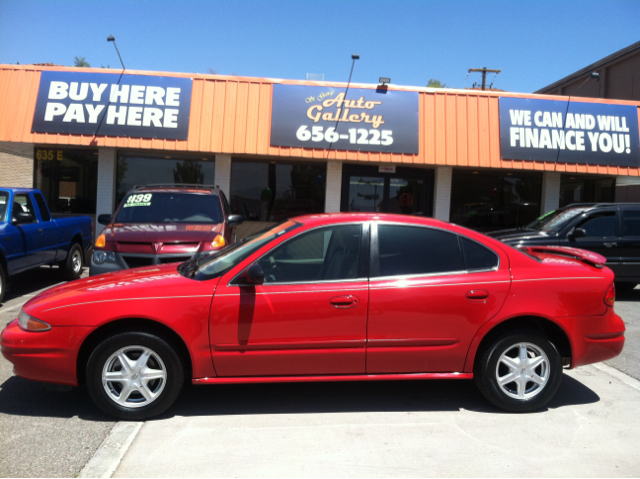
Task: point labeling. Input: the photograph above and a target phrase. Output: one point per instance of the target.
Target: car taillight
(610, 297)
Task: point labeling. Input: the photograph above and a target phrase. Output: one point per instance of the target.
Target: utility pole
(484, 71)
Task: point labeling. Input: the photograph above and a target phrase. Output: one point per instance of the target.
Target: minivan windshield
(220, 262)
(170, 207)
(556, 220)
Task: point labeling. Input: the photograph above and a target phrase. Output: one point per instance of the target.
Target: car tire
(531, 360)
(134, 375)
(3, 282)
(72, 266)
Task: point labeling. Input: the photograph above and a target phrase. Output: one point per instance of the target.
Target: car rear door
(31, 234)
(431, 290)
(308, 318)
(48, 230)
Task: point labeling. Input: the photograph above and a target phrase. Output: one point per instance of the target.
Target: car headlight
(100, 257)
(29, 323)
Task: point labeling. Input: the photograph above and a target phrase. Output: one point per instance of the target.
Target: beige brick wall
(16, 164)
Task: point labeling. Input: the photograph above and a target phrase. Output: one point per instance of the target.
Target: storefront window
(262, 191)
(68, 179)
(493, 200)
(586, 189)
(401, 190)
(139, 169)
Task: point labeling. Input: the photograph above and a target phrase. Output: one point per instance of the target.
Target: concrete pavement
(391, 429)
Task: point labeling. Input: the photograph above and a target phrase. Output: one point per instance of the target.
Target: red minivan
(157, 224)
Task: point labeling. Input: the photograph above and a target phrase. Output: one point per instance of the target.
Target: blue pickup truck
(30, 237)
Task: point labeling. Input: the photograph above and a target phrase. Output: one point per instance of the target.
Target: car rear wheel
(520, 372)
(134, 375)
(72, 266)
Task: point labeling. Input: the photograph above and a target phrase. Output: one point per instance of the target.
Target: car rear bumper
(596, 338)
(48, 356)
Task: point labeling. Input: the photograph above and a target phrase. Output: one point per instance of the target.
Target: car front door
(431, 290)
(308, 318)
(630, 244)
(601, 237)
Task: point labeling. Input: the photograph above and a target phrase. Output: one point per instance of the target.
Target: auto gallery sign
(109, 104)
(354, 119)
(569, 132)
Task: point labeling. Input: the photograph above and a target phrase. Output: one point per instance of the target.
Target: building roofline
(592, 67)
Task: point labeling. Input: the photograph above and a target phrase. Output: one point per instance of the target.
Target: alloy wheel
(522, 371)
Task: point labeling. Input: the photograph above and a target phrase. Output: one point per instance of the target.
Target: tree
(81, 62)
(433, 83)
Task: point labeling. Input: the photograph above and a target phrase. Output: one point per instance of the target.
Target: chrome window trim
(361, 223)
(428, 275)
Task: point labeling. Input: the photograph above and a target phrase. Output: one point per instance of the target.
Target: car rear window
(163, 207)
(408, 250)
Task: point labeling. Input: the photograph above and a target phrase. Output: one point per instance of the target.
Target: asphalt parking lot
(405, 428)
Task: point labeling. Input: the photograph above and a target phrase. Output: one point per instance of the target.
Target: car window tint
(22, 204)
(325, 254)
(42, 206)
(600, 225)
(631, 222)
(412, 250)
(476, 256)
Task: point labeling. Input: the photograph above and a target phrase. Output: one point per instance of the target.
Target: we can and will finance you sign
(108, 104)
(571, 132)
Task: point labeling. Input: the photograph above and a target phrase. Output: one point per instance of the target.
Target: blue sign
(569, 132)
(358, 119)
(109, 104)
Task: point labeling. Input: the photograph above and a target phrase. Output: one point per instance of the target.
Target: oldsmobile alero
(334, 297)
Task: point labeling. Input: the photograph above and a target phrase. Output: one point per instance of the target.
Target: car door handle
(477, 295)
(344, 302)
(610, 245)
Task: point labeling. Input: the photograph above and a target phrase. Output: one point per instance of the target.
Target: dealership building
(280, 148)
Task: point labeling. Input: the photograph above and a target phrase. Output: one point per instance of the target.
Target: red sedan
(335, 297)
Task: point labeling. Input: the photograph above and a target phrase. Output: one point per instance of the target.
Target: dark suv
(609, 229)
(157, 224)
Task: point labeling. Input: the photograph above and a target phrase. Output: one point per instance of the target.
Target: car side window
(600, 225)
(325, 254)
(22, 204)
(631, 222)
(477, 257)
(225, 205)
(409, 250)
(42, 206)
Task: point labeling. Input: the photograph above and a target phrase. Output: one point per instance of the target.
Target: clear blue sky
(534, 42)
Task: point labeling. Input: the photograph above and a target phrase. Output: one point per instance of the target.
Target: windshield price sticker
(354, 119)
(138, 200)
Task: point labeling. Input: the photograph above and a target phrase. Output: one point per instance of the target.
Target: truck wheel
(134, 375)
(72, 267)
(3, 282)
(520, 372)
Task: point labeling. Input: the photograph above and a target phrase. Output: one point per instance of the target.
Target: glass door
(404, 191)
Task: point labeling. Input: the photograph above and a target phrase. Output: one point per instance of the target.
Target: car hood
(523, 235)
(162, 232)
(105, 290)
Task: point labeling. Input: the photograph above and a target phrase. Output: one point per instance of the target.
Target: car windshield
(4, 197)
(170, 207)
(225, 259)
(555, 220)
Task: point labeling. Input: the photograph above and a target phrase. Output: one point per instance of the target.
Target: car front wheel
(134, 375)
(520, 372)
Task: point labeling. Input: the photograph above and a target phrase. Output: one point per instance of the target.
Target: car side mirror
(20, 218)
(104, 219)
(234, 220)
(253, 275)
(577, 233)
